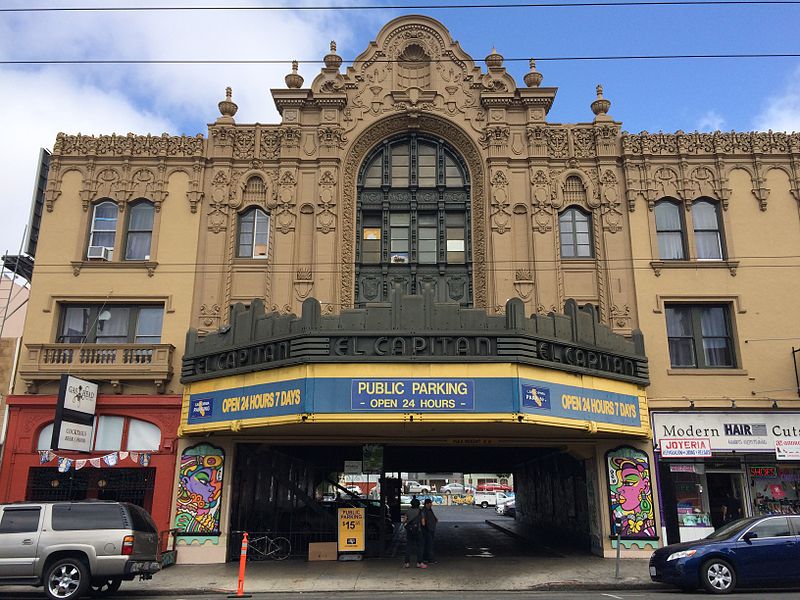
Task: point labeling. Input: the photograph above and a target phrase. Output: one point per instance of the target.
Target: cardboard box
(322, 551)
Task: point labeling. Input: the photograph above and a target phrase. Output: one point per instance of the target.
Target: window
(111, 324)
(669, 230)
(104, 225)
(253, 234)
(777, 527)
(20, 520)
(141, 520)
(140, 230)
(111, 431)
(414, 205)
(575, 229)
(76, 517)
(699, 336)
(707, 234)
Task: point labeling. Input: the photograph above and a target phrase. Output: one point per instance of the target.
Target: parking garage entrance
(275, 407)
(294, 491)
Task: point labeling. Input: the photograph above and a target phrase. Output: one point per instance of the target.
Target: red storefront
(133, 458)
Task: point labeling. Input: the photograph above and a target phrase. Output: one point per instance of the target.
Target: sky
(665, 95)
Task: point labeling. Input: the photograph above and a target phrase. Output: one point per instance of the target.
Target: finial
(332, 60)
(227, 107)
(294, 80)
(533, 78)
(601, 105)
(494, 60)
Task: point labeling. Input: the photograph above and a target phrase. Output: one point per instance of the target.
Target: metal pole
(13, 278)
(796, 374)
(618, 523)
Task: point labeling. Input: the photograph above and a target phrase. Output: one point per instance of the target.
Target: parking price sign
(351, 529)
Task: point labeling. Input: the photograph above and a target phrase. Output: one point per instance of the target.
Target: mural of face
(630, 494)
(200, 490)
(200, 482)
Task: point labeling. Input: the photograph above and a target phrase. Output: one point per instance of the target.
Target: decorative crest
(227, 107)
(601, 105)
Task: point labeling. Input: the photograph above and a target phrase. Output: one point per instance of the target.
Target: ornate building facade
(404, 200)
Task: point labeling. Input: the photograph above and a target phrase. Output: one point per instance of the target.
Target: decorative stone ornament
(533, 78)
(227, 108)
(332, 60)
(601, 105)
(294, 80)
(494, 60)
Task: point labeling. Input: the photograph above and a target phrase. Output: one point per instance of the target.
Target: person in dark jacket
(428, 531)
(414, 523)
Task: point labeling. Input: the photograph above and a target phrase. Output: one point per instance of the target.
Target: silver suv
(69, 546)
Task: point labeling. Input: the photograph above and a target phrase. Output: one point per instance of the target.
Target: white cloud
(46, 102)
(782, 111)
(103, 99)
(711, 121)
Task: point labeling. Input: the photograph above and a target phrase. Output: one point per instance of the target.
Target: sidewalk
(473, 574)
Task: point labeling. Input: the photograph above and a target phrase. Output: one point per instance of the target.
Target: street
(460, 595)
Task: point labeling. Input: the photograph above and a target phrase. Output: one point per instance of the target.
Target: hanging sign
(787, 448)
(352, 467)
(73, 426)
(351, 530)
(685, 447)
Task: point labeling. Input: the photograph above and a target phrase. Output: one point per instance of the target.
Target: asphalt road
(583, 595)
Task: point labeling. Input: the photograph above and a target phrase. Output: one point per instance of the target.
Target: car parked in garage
(757, 551)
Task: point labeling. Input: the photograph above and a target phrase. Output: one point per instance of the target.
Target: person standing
(414, 523)
(428, 531)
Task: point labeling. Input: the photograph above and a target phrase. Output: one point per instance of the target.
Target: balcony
(100, 363)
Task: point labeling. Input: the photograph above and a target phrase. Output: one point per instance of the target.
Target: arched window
(140, 230)
(707, 230)
(575, 227)
(104, 227)
(669, 230)
(254, 191)
(413, 220)
(253, 234)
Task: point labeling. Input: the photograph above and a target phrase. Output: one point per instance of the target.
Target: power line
(371, 61)
(362, 7)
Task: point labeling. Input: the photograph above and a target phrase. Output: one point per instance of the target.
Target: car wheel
(718, 576)
(484, 504)
(66, 579)
(103, 588)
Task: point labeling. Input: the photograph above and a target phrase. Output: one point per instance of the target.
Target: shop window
(143, 436)
(670, 230)
(20, 520)
(699, 336)
(575, 226)
(103, 231)
(253, 234)
(692, 500)
(776, 490)
(772, 528)
(109, 432)
(111, 324)
(139, 235)
(707, 230)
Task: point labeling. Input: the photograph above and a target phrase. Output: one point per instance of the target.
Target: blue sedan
(758, 551)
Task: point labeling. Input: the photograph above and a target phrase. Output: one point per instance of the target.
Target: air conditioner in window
(98, 253)
(260, 250)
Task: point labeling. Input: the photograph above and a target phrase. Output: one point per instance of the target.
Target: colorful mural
(630, 493)
(200, 490)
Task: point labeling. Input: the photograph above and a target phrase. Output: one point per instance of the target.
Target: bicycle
(264, 547)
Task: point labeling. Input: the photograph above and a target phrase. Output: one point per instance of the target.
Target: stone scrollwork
(541, 200)
(218, 207)
(495, 135)
(286, 218)
(501, 215)
(326, 204)
(129, 145)
(610, 202)
(244, 145)
(331, 136)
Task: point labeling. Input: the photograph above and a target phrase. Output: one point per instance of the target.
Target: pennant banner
(111, 460)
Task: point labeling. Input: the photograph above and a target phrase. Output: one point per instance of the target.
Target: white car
(453, 488)
(414, 487)
(487, 499)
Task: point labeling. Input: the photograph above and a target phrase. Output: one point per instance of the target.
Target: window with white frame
(575, 229)
(104, 225)
(114, 433)
(253, 234)
(111, 323)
